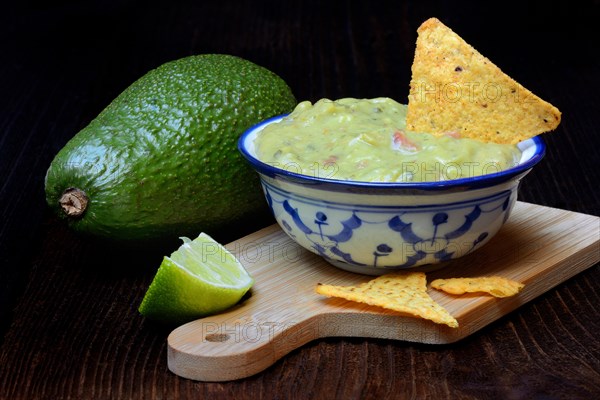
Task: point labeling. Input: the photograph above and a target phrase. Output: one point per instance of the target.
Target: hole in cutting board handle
(217, 337)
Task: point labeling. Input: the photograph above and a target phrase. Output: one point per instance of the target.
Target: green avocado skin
(161, 160)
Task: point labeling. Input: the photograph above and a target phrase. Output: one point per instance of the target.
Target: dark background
(68, 321)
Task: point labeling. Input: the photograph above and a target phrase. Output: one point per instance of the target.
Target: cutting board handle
(229, 346)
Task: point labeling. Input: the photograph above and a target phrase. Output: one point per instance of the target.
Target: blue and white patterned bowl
(375, 228)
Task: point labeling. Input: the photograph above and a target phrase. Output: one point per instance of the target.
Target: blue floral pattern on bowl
(376, 239)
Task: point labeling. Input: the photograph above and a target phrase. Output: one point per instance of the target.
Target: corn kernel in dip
(366, 140)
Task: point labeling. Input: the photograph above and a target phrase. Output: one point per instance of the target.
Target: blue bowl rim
(475, 182)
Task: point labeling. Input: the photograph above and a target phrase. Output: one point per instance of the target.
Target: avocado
(161, 161)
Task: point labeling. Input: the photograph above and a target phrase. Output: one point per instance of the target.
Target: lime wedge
(200, 278)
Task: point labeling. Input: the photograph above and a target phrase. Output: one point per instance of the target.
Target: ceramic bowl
(375, 228)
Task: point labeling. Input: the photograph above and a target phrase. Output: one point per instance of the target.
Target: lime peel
(200, 278)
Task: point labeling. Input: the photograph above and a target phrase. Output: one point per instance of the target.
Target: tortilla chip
(497, 286)
(404, 292)
(456, 90)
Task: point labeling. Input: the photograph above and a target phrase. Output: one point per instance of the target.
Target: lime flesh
(201, 278)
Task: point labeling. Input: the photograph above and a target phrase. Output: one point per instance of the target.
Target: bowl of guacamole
(346, 180)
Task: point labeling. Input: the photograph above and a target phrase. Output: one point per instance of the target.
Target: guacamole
(366, 140)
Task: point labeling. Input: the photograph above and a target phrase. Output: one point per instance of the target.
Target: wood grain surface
(69, 326)
(540, 247)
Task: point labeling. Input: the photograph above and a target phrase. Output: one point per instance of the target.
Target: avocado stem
(73, 202)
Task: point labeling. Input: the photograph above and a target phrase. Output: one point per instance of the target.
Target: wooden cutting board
(538, 246)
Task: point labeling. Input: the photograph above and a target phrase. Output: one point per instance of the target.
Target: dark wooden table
(69, 326)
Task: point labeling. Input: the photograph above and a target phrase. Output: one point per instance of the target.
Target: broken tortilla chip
(456, 90)
(497, 286)
(404, 292)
